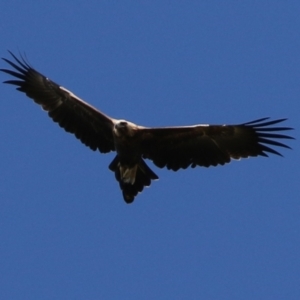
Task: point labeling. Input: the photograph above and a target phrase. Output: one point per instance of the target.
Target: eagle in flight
(171, 147)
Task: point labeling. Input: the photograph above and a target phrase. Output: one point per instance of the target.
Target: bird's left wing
(89, 125)
(210, 145)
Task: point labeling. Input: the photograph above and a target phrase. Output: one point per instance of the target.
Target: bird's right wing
(89, 125)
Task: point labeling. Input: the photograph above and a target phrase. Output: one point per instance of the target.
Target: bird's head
(123, 127)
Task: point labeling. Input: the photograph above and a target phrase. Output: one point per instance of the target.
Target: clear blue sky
(220, 233)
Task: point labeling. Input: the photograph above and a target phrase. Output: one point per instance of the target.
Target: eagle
(174, 148)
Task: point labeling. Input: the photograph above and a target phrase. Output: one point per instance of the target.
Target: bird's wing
(210, 145)
(89, 125)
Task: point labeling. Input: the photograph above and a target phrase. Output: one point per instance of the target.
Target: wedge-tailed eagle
(171, 147)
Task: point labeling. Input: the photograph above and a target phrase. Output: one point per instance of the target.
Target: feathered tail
(132, 180)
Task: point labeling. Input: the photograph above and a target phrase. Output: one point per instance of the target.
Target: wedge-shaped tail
(132, 180)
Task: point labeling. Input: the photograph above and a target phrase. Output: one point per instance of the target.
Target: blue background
(220, 233)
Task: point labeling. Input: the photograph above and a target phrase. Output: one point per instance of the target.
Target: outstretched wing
(210, 145)
(90, 126)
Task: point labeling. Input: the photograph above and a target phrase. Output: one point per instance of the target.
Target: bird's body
(171, 147)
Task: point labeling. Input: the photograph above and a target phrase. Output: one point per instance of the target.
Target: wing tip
(265, 136)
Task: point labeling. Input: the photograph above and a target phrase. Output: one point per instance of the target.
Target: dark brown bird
(171, 147)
